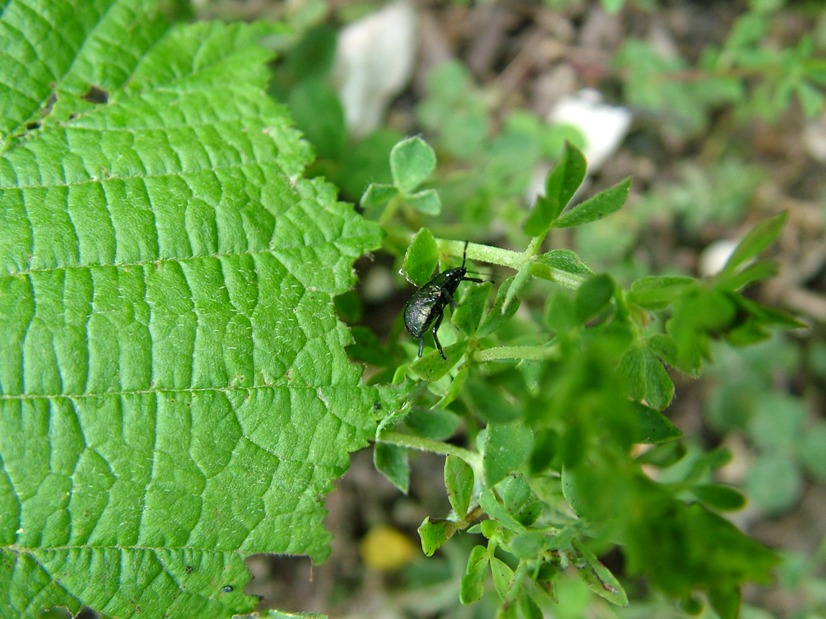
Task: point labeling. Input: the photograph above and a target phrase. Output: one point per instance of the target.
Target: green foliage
(175, 392)
(411, 162)
(557, 405)
(302, 81)
(704, 195)
(786, 440)
(562, 182)
(802, 573)
(456, 111)
(492, 166)
(459, 118)
(654, 82)
(459, 484)
(746, 72)
(610, 6)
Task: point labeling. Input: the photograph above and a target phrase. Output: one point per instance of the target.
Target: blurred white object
(814, 137)
(604, 126)
(378, 284)
(373, 63)
(714, 257)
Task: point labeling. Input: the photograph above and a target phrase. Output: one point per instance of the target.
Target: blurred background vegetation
(716, 109)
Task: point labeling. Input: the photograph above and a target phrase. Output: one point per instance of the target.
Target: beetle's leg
(474, 279)
(421, 346)
(436, 337)
(449, 298)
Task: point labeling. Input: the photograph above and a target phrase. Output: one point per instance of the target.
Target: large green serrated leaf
(174, 391)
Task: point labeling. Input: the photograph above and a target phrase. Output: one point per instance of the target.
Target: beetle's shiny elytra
(426, 307)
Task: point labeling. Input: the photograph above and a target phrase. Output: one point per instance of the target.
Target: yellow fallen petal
(386, 549)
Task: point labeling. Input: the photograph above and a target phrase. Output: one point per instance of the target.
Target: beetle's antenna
(464, 258)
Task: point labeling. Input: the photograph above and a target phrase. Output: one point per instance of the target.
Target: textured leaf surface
(174, 392)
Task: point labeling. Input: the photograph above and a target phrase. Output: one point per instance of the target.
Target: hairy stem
(425, 444)
(513, 260)
(500, 353)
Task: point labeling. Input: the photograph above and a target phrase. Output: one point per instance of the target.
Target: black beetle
(426, 307)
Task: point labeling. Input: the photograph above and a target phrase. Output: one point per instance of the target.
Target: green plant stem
(425, 444)
(389, 211)
(485, 253)
(499, 353)
(533, 247)
(514, 260)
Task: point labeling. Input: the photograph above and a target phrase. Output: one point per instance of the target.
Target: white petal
(814, 137)
(604, 126)
(714, 257)
(373, 63)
